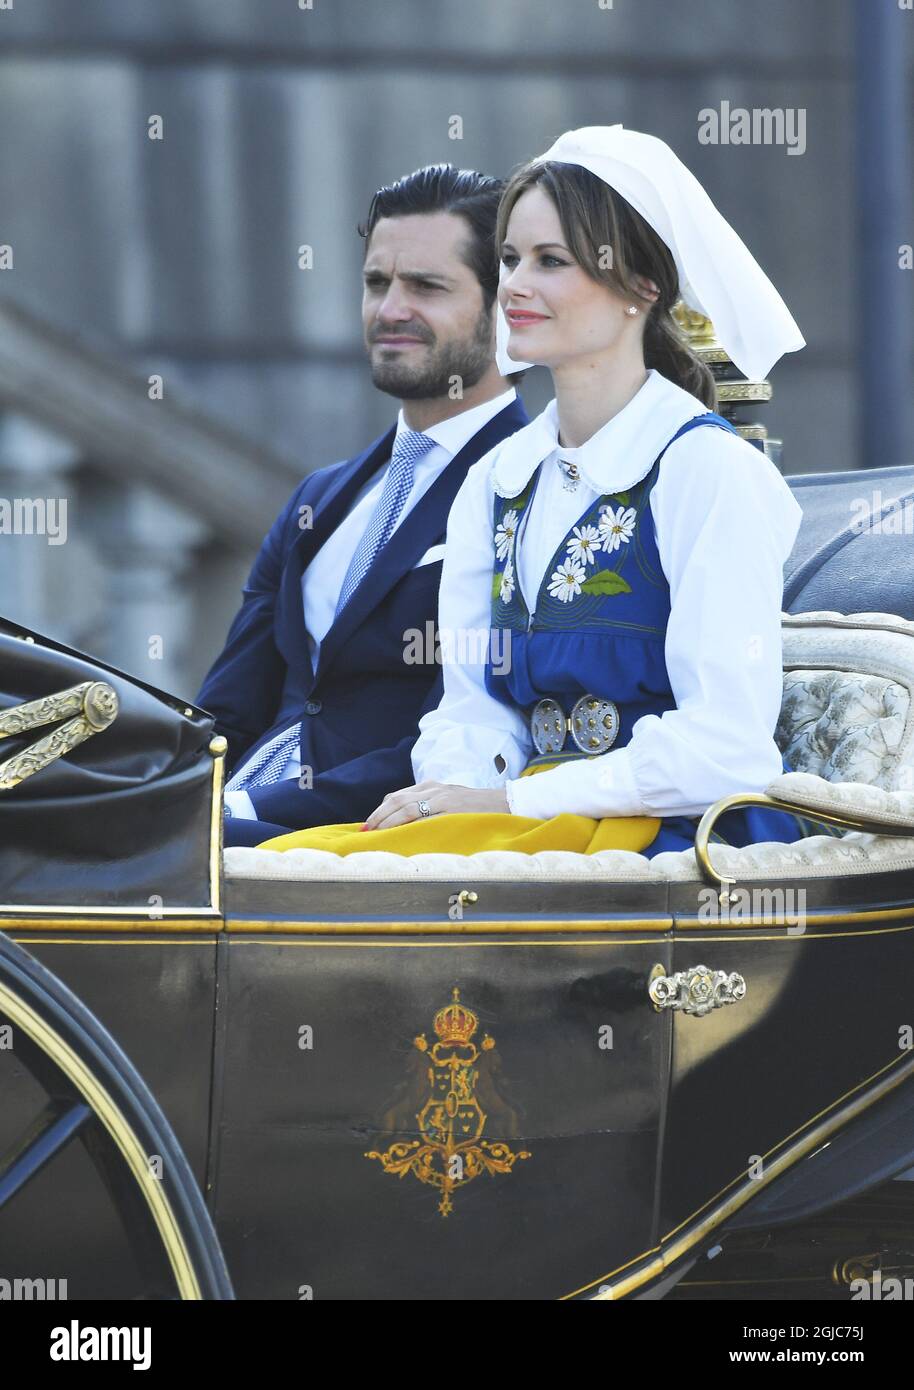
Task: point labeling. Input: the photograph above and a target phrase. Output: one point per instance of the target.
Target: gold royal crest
(452, 1151)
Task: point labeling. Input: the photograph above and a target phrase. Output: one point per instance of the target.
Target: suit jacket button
(313, 707)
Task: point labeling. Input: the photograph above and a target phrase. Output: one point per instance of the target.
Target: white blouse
(725, 521)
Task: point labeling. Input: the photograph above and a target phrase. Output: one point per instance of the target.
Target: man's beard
(468, 360)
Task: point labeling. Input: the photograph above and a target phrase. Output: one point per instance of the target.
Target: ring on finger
(424, 808)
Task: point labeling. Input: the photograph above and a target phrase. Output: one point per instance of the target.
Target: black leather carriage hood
(124, 819)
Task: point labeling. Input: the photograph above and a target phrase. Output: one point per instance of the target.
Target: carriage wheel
(94, 1094)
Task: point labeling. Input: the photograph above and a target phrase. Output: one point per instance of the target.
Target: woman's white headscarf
(718, 275)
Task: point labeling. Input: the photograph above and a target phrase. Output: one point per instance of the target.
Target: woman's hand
(398, 808)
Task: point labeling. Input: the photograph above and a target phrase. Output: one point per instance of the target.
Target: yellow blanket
(469, 833)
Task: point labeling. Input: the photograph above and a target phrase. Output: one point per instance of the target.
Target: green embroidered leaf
(621, 497)
(606, 582)
(496, 584)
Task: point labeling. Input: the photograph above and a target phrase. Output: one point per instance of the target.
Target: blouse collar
(617, 456)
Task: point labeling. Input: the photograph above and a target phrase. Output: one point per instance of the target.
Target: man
(315, 690)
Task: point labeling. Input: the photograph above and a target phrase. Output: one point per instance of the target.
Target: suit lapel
(336, 501)
(420, 529)
(329, 511)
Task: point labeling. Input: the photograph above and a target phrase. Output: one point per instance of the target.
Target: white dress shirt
(724, 521)
(322, 579)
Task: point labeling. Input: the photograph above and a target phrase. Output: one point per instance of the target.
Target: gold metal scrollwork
(695, 991)
(88, 708)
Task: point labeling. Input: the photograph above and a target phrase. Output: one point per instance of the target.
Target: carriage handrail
(720, 881)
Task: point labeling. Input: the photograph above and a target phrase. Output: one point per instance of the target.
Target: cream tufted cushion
(845, 798)
(846, 725)
(848, 712)
(841, 724)
(487, 865)
(818, 856)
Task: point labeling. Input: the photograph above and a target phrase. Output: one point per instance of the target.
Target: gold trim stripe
(468, 927)
(888, 914)
(309, 938)
(58, 919)
(487, 926)
(49, 922)
(190, 918)
(695, 1227)
(102, 1105)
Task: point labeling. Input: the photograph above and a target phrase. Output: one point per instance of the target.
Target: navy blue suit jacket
(360, 709)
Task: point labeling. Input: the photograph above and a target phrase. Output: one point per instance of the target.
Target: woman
(625, 548)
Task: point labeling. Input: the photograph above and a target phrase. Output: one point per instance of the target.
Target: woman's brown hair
(593, 217)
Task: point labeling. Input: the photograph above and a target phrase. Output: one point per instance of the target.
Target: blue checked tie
(409, 447)
(266, 766)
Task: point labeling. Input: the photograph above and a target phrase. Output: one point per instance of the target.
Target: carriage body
(488, 1076)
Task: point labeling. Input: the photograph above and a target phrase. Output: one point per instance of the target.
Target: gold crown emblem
(455, 1023)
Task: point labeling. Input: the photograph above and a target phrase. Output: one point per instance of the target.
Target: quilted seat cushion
(847, 712)
(845, 726)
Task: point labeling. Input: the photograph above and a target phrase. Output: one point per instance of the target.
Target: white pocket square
(436, 553)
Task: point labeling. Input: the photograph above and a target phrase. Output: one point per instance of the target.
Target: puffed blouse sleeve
(471, 739)
(725, 522)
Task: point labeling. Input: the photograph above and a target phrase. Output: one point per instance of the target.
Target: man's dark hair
(442, 188)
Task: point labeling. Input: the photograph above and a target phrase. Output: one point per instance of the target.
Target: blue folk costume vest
(606, 640)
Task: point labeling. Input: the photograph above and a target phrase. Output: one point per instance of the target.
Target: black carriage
(489, 1076)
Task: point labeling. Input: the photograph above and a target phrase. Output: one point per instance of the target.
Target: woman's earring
(632, 309)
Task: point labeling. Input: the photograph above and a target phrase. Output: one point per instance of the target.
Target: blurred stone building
(178, 257)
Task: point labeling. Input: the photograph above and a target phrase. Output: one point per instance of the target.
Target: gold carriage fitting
(593, 725)
(88, 708)
(737, 396)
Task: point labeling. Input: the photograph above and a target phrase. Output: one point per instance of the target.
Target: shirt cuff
(483, 770)
(596, 787)
(240, 805)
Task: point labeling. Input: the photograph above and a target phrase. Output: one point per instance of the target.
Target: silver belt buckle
(548, 726)
(593, 725)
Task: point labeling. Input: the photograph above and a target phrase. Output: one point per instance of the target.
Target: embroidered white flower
(507, 583)
(504, 535)
(617, 526)
(565, 583)
(583, 546)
